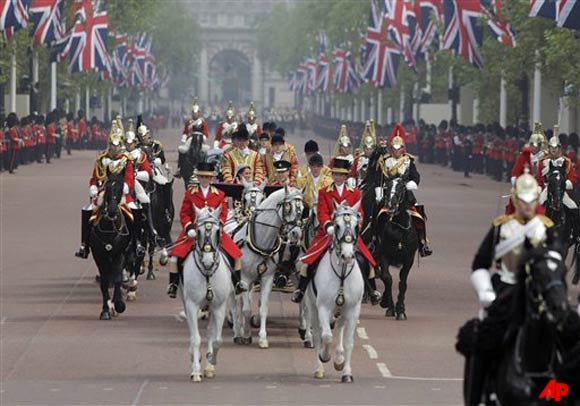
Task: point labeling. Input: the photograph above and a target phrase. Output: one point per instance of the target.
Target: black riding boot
(478, 369)
(137, 231)
(303, 282)
(575, 220)
(153, 236)
(424, 248)
(370, 283)
(173, 280)
(84, 249)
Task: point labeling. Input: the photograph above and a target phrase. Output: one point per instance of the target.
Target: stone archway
(230, 73)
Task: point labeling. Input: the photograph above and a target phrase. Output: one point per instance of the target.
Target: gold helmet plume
(130, 135)
(368, 139)
(526, 187)
(230, 110)
(116, 134)
(538, 137)
(342, 142)
(251, 111)
(195, 108)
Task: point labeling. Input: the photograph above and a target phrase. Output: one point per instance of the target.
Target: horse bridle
(538, 300)
(400, 181)
(205, 244)
(350, 237)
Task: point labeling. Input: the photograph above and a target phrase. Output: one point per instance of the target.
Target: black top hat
(311, 146)
(241, 133)
(264, 136)
(282, 165)
(341, 165)
(205, 169)
(277, 139)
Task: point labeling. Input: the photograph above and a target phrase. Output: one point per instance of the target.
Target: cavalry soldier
(113, 159)
(310, 149)
(278, 152)
(195, 124)
(242, 154)
(225, 130)
(337, 192)
(398, 163)
(362, 155)
(343, 149)
(201, 195)
(503, 246)
(140, 163)
(253, 128)
(313, 181)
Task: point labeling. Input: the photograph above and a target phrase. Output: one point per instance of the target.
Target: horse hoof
(131, 296)
(120, 307)
(255, 321)
(263, 343)
(401, 316)
(339, 367)
(347, 379)
(389, 313)
(209, 373)
(302, 333)
(196, 377)
(308, 344)
(112, 310)
(105, 315)
(238, 340)
(247, 340)
(322, 359)
(319, 374)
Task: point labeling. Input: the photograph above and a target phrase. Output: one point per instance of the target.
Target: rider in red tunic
(225, 130)
(199, 196)
(338, 192)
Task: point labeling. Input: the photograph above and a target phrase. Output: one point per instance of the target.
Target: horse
(109, 241)
(252, 196)
(554, 205)
(269, 226)
(190, 154)
(530, 349)
(338, 284)
(206, 282)
(396, 240)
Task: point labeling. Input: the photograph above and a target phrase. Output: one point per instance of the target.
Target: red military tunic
(99, 176)
(570, 172)
(51, 134)
(322, 241)
(82, 128)
(202, 126)
(523, 160)
(194, 198)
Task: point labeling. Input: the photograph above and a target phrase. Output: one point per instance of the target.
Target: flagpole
(402, 104)
(52, 86)
(537, 89)
(379, 106)
(502, 102)
(13, 82)
(34, 86)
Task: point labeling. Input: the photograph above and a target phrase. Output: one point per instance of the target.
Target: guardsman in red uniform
(337, 192)
(40, 137)
(27, 139)
(201, 195)
(82, 132)
(50, 135)
(73, 135)
(196, 123)
(3, 150)
(225, 130)
(15, 142)
(113, 159)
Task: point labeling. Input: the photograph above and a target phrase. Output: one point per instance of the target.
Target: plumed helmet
(368, 139)
(538, 138)
(230, 110)
(555, 141)
(526, 187)
(116, 135)
(398, 137)
(144, 134)
(130, 136)
(251, 111)
(195, 108)
(343, 138)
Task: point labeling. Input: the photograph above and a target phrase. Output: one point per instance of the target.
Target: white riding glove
(481, 281)
(191, 233)
(157, 162)
(125, 188)
(569, 185)
(330, 230)
(216, 144)
(106, 161)
(143, 176)
(411, 185)
(378, 193)
(93, 191)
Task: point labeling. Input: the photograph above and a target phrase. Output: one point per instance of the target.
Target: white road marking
(362, 333)
(324, 386)
(108, 389)
(271, 387)
(371, 351)
(163, 388)
(55, 390)
(3, 320)
(140, 392)
(421, 378)
(384, 370)
(436, 389)
(380, 386)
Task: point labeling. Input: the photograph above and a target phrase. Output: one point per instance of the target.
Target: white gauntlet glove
(411, 185)
(330, 230)
(157, 162)
(191, 233)
(378, 193)
(125, 188)
(93, 191)
(481, 281)
(569, 185)
(106, 161)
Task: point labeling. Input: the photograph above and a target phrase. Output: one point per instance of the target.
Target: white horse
(252, 197)
(206, 281)
(337, 285)
(272, 223)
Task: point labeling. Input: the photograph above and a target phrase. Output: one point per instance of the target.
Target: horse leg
(265, 289)
(150, 274)
(316, 333)
(339, 354)
(105, 315)
(194, 339)
(245, 317)
(215, 340)
(350, 317)
(324, 317)
(306, 326)
(403, 275)
(387, 298)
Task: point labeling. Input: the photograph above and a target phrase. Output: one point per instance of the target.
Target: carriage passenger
(283, 173)
(201, 195)
(265, 145)
(279, 151)
(113, 159)
(310, 149)
(336, 193)
(242, 154)
(313, 180)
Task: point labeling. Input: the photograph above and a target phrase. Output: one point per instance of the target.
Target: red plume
(400, 131)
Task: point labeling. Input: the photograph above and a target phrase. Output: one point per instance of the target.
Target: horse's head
(393, 195)
(208, 234)
(290, 210)
(345, 221)
(252, 195)
(556, 186)
(113, 194)
(543, 271)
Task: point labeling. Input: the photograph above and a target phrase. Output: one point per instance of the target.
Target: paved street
(56, 351)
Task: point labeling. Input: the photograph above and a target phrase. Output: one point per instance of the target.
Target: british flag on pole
(346, 78)
(497, 22)
(401, 23)
(381, 54)
(566, 13)
(48, 22)
(463, 33)
(323, 77)
(429, 14)
(13, 16)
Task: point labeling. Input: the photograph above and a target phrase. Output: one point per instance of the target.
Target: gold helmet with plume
(538, 137)
(343, 142)
(115, 135)
(230, 110)
(251, 111)
(526, 187)
(195, 109)
(555, 140)
(130, 136)
(369, 138)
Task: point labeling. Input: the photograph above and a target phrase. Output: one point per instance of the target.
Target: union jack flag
(48, 22)
(346, 79)
(566, 13)
(462, 33)
(13, 16)
(88, 43)
(323, 77)
(381, 54)
(498, 24)
(292, 81)
(429, 14)
(120, 71)
(312, 73)
(301, 78)
(401, 22)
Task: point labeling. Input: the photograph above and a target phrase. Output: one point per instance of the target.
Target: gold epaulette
(502, 219)
(547, 221)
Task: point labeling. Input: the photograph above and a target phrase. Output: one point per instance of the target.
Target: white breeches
(566, 201)
(140, 193)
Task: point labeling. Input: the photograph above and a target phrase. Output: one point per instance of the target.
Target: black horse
(528, 350)
(187, 161)
(554, 206)
(109, 240)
